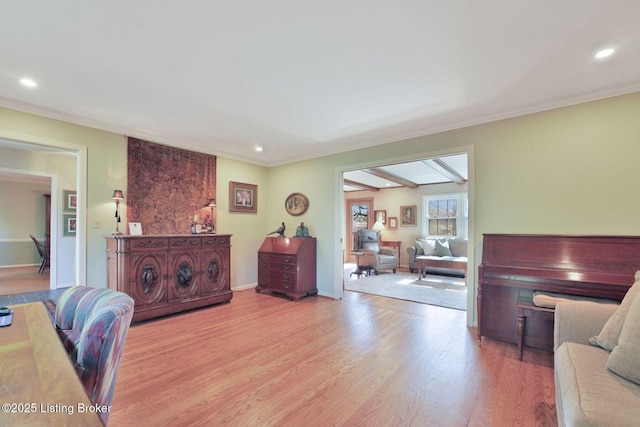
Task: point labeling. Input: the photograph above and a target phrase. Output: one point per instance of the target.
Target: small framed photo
(70, 200)
(380, 216)
(69, 225)
(393, 223)
(135, 229)
(408, 215)
(243, 197)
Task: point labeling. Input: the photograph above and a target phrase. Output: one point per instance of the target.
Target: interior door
(359, 216)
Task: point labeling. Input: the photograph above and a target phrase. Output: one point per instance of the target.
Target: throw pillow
(428, 246)
(624, 359)
(442, 248)
(610, 333)
(419, 248)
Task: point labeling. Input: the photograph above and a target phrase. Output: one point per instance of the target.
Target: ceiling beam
(360, 185)
(390, 177)
(441, 167)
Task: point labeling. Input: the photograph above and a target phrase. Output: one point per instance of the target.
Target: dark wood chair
(44, 254)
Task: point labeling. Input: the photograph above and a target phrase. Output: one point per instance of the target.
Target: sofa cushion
(428, 246)
(589, 395)
(608, 336)
(442, 248)
(624, 359)
(458, 247)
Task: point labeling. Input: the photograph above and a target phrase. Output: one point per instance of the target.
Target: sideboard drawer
(149, 244)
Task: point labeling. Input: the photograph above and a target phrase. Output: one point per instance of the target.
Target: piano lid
(581, 258)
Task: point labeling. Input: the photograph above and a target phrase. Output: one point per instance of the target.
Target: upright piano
(594, 266)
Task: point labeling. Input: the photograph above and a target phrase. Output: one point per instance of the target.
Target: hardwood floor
(263, 360)
(14, 280)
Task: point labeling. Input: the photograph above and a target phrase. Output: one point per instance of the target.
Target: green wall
(570, 170)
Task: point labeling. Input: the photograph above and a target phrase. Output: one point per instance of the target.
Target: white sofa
(597, 362)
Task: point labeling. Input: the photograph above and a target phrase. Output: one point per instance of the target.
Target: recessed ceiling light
(258, 149)
(28, 82)
(604, 53)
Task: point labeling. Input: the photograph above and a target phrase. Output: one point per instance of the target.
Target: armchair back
(368, 240)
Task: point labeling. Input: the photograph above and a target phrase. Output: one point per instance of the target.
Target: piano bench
(524, 303)
(543, 302)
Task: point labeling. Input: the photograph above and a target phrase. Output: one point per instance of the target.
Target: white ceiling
(305, 79)
(408, 174)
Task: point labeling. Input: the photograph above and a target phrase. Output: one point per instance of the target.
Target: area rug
(442, 291)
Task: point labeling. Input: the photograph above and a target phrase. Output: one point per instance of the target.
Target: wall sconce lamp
(117, 196)
(211, 205)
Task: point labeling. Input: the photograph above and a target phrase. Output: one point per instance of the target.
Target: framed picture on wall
(69, 225)
(243, 197)
(296, 204)
(380, 216)
(408, 215)
(393, 223)
(70, 200)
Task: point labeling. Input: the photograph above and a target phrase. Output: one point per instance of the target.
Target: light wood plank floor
(14, 280)
(262, 360)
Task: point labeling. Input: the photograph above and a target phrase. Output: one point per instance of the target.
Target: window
(445, 215)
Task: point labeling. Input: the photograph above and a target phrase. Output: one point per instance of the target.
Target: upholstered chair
(93, 325)
(375, 256)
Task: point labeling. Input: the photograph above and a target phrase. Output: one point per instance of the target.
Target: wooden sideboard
(288, 265)
(170, 273)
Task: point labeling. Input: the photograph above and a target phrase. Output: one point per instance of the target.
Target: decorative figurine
(302, 231)
(279, 231)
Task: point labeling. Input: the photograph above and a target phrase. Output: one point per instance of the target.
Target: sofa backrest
(458, 246)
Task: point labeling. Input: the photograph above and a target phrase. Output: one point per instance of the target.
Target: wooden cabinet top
(147, 236)
(285, 245)
(122, 243)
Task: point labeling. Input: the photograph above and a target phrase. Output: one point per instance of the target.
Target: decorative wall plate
(296, 204)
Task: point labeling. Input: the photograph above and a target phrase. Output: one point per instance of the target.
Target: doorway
(65, 165)
(393, 210)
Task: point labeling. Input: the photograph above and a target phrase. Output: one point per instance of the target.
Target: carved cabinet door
(184, 281)
(147, 278)
(215, 274)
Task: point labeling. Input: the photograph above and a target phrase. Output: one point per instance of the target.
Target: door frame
(341, 229)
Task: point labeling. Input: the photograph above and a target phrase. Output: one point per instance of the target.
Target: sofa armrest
(577, 321)
(411, 250)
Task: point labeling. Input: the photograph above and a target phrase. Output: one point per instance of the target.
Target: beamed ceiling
(409, 174)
